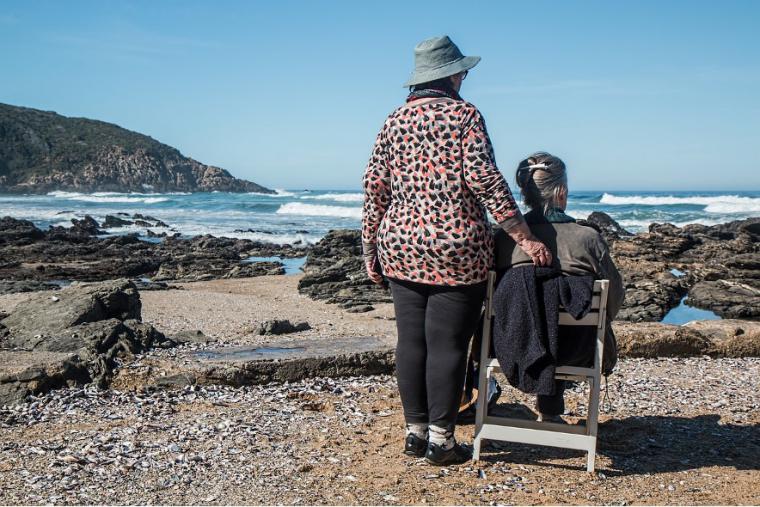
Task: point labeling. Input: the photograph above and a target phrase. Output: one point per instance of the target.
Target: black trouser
(435, 323)
(576, 348)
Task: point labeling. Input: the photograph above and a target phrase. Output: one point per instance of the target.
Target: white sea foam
(279, 192)
(115, 197)
(336, 197)
(61, 193)
(319, 210)
(641, 225)
(278, 238)
(119, 199)
(38, 214)
(713, 204)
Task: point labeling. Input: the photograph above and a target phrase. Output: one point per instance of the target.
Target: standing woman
(424, 226)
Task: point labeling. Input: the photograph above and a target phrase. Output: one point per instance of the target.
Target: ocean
(304, 216)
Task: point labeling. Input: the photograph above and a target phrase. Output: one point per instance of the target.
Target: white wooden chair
(582, 436)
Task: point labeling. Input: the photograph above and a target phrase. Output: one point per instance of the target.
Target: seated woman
(577, 250)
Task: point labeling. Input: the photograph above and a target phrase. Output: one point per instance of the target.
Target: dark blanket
(526, 323)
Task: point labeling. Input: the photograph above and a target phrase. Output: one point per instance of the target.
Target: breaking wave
(110, 197)
(336, 197)
(712, 204)
(319, 210)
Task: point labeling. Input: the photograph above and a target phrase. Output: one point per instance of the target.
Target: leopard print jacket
(431, 173)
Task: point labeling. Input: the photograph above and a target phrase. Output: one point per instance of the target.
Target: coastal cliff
(41, 151)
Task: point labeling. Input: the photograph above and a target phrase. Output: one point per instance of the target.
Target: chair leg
(481, 409)
(591, 459)
(476, 448)
(592, 419)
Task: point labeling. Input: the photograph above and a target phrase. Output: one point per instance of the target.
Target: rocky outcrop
(15, 286)
(606, 225)
(30, 257)
(276, 326)
(283, 359)
(717, 338)
(334, 272)
(721, 266)
(123, 220)
(727, 298)
(42, 151)
(649, 339)
(72, 336)
(649, 296)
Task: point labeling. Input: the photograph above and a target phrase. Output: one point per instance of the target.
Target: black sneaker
(458, 454)
(415, 446)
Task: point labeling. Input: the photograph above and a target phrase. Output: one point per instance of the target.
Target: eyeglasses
(464, 74)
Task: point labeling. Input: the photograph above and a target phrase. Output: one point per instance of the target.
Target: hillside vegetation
(41, 151)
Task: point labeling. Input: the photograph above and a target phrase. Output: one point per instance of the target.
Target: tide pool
(684, 313)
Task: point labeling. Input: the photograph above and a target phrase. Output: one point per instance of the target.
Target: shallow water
(249, 354)
(292, 265)
(684, 313)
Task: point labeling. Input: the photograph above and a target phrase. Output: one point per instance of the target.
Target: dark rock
(15, 286)
(87, 226)
(725, 257)
(606, 225)
(144, 284)
(650, 299)
(662, 242)
(89, 326)
(46, 316)
(152, 234)
(334, 272)
(256, 269)
(143, 223)
(46, 371)
(69, 254)
(274, 327)
(360, 309)
(112, 222)
(153, 221)
(15, 232)
(185, 337)
(254, 230)
(210, 269)
(729, 299)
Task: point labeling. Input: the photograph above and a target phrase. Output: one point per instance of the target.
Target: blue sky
(644, 95)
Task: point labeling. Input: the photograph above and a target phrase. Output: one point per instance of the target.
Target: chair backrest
(597, 315)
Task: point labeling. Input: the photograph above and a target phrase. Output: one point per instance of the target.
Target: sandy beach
(230, 310)
(681, 431)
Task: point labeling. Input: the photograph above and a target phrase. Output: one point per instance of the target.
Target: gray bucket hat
(437, 58)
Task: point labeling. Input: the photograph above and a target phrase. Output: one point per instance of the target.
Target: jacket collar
(552, 216)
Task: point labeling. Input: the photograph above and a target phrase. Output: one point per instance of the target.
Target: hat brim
(461, 65)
